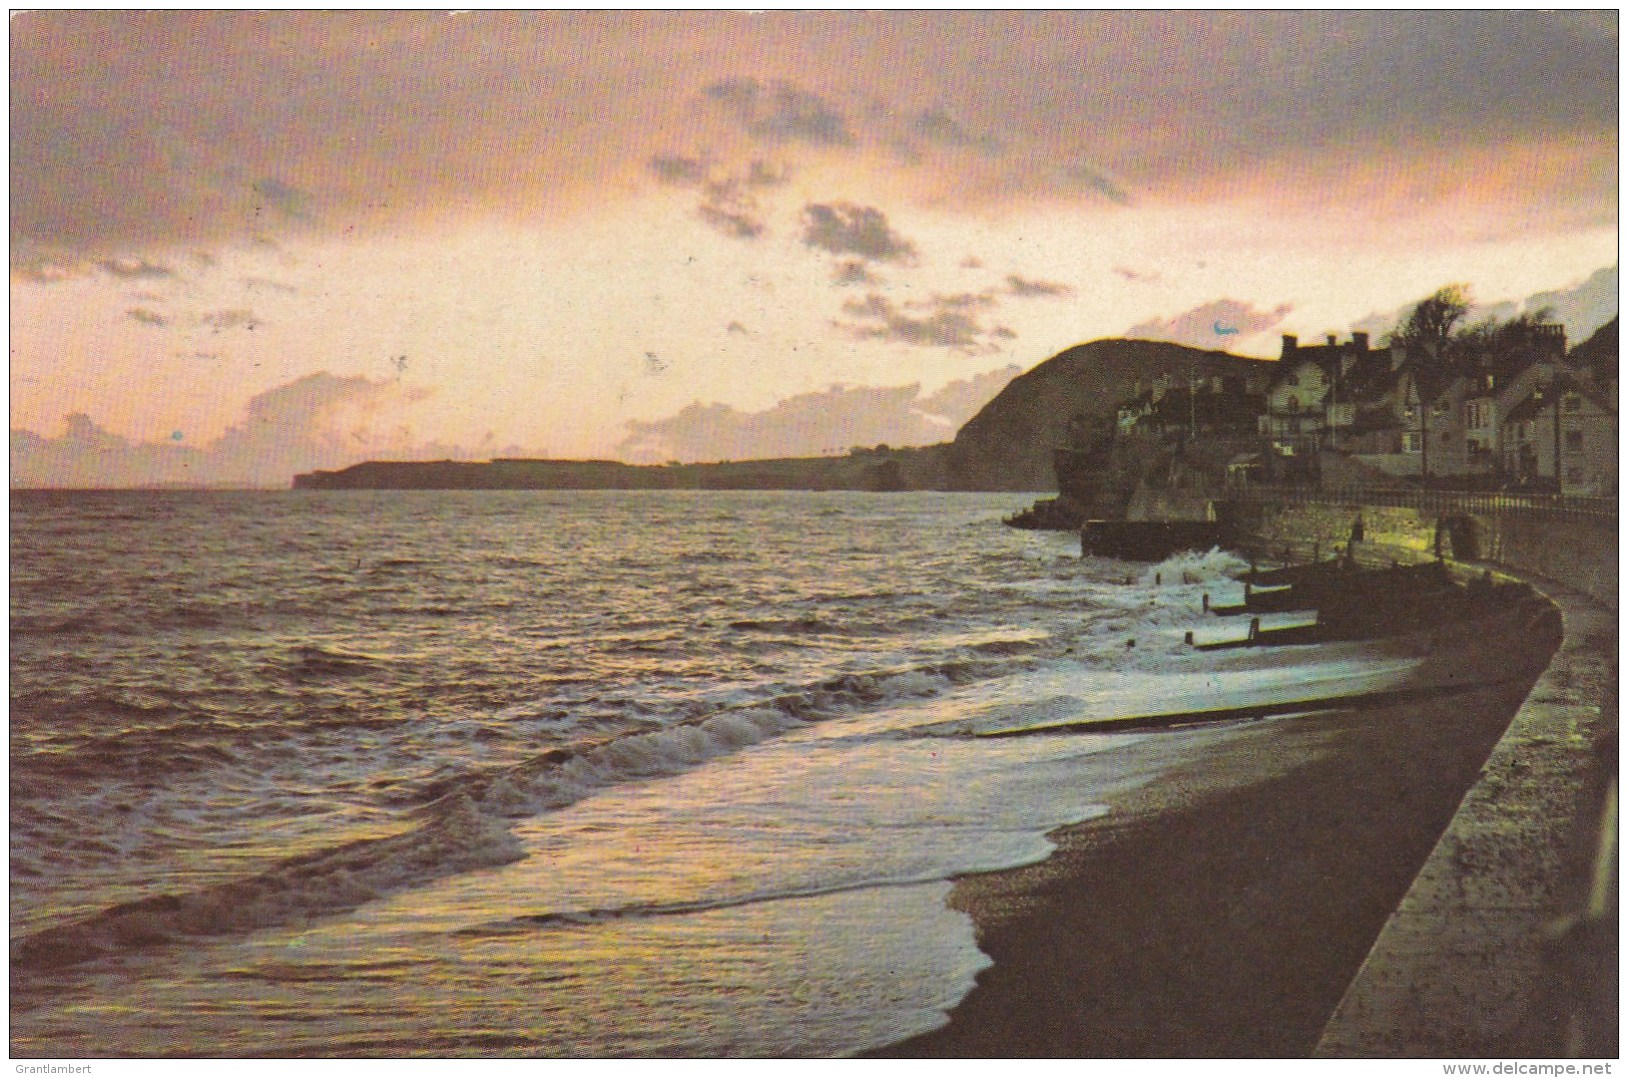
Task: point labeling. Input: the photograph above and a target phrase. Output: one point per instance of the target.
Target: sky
(248, 244)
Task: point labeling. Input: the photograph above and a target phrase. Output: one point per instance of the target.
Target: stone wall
(1576, 550)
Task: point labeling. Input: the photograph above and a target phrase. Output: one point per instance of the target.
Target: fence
(1436, 501)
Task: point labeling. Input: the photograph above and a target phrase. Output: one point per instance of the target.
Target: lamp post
(1554, 392)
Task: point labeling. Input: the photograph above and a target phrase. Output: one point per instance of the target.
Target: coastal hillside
(878, 469)
(1008, 445)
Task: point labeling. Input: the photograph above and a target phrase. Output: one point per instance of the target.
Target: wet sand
(1225, 909)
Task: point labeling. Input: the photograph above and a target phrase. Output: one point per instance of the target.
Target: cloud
(266, 284)
(1085, 175)
(937, 125)
(146, 317)
(728, 207)
(810, 424)
(230, 319)
(946, 322)
(731, 222)
(318, 421)
(727, 203)
(853, 272)
(133, 268)
(1018, 286)
(678, 170)
(1582, 309)
(782, 111)
(736, 328)
(762, 174)
(296, 120)
(844, 228)
(272, 193)
(1134, 275)
(1214, 325)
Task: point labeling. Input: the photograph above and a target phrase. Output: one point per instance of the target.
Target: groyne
(1505, 943)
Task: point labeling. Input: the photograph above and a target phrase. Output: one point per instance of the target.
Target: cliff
(1008, 445)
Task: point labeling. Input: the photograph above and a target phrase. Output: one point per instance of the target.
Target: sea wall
(1476, 961)
(1577, 551)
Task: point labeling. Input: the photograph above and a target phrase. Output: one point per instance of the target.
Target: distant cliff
(877, 469)
(1008, 445)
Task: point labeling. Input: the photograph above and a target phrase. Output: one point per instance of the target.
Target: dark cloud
(146, 317)
(133, 268)
(734, 223)
(230, 319)
(736, 328)
(726, 206)
(1213, 325)
(853, 272)
(1085, 175)
(846, 229)
(318, 118)
(939, 126)
(727, 203)
(678, 170)
(958, 301)
(1018, 286)
(1133, 275)
(944, 322)
(266, 284)
(813, 423)
(781, 111)
(318, 421)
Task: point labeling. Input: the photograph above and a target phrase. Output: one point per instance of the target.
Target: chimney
(1290, 343)
(1360, 340)
(1332, 340)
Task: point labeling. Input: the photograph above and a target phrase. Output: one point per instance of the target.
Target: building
(1560, 428)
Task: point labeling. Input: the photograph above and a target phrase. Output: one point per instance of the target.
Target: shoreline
(1223, 910)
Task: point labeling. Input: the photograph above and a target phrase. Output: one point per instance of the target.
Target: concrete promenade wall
(1578, 551)
(1465, 967)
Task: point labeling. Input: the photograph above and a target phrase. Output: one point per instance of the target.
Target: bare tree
(1430, 327)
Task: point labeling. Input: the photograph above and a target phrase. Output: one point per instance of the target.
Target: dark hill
(1008, 445)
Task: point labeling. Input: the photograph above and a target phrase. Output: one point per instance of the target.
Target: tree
(1429, 328)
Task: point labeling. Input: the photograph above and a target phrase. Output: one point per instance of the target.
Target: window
(1574, 441)
(1574, 403)
(1410, 441)
(1574, 475)
(1445, 437)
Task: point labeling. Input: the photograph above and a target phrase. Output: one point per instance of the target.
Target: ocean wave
(458, 838)
(310, 662)
(645, 910)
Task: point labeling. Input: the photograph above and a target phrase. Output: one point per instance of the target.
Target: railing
(1440, 501)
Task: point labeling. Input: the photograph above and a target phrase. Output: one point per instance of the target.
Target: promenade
(1506, 942)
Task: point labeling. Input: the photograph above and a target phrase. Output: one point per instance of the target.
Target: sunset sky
(244, 244)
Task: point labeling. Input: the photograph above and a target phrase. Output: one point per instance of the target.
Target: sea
(562, 773)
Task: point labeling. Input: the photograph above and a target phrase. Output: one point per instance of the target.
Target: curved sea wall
(1493, 950)
(1575, 550)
